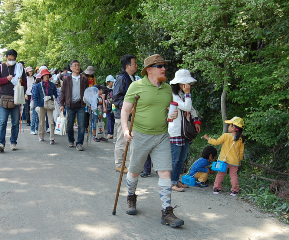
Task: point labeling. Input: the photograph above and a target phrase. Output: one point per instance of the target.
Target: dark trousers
(148, 165)
(27, 109)
(110, 122)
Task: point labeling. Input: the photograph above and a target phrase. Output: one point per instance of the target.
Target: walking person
(232, 153)
(8, 79)
(72, 92)
(30, 82)
(34, 118)
(150, 131)
(109, 114)
(43, 92)
(122, 83)
(180, 145)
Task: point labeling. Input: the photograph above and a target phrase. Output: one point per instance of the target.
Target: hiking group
(157, 138)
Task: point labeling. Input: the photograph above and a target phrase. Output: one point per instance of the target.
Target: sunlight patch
(100, 231)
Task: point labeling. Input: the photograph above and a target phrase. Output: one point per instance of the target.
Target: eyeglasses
(159, 66)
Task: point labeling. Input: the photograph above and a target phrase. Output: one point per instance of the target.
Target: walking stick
(125, 153)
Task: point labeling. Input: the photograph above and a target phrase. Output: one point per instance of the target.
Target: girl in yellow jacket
(232, 153)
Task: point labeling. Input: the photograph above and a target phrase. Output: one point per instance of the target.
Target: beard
(162, 79)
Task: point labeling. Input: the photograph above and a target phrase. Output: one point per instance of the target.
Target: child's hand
(210, 171)
(206, 137)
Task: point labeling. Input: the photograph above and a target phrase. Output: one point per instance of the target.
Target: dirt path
(53, 192)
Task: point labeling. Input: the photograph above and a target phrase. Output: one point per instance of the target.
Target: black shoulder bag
(188, 128)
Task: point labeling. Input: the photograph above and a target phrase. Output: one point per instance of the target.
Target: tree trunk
(224, 93)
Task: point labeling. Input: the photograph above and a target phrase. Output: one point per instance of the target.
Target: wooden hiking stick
(125, 153)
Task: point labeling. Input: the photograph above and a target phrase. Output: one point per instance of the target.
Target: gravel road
(54, 192)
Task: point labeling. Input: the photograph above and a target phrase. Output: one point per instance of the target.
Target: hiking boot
(234, 193)
(2, 148)
(118, 169)
(216, 191)
(71, 144)
(131, 204)
(200, 184)
(145, 174)
(79, 147)
(169, 218)
(13, 146)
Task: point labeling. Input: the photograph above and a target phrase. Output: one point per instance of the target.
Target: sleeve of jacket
(35, 95)
(55, 91)
(119, 92)
(62, 95)
(218, 141)
(201, 166)
(183, 105)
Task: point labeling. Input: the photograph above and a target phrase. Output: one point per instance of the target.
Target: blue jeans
(179, 156)
(71, 113)
(94, 121)
(15, 115)
(148, 165)
(110, 122)
(34, 121)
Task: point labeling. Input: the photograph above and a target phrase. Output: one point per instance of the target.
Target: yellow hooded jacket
(235, 155)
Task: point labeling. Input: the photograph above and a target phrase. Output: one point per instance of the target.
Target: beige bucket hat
(151, 60)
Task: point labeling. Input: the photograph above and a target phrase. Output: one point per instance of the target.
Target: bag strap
(228, 151)
(42, 89)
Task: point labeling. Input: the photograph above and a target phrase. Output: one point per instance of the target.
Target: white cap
(110, 78)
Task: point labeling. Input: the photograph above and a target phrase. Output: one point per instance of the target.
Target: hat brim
(47, 74)
(230, 122)
(185, 80)
(144, 71)
(89, 73)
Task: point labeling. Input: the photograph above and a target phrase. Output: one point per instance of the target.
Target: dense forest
(238, 50)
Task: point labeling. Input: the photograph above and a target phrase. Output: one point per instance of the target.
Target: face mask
(11, 63)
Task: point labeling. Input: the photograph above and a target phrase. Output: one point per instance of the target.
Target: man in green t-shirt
(150, 134)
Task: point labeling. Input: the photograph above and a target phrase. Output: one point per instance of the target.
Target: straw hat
(183, 76)
(151, 60)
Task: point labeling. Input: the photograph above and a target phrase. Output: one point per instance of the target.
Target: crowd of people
(156, 138)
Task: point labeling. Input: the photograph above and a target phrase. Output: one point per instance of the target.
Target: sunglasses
(159, 66)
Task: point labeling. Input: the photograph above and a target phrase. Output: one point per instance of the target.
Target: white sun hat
(183, 76)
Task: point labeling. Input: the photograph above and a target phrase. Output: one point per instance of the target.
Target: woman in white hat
(179, 145)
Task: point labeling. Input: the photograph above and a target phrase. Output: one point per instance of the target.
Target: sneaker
(168, 218)
(109, 136)
(28, 124)
(200, 184)
(32, 133)
(177, 189)
(75, 126)
(103, 139)
(13, 146)
(114, 141)
(71, 144)
(79, 147)
(95, 139)
(48, 130)
(118, 169)
(52, 142)
(182, 185)
(131, 204)
(2, 148)
(234, 193)
(36, 132)
(216, 191)
(145, 174)
(86, 130)
(41, 139)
